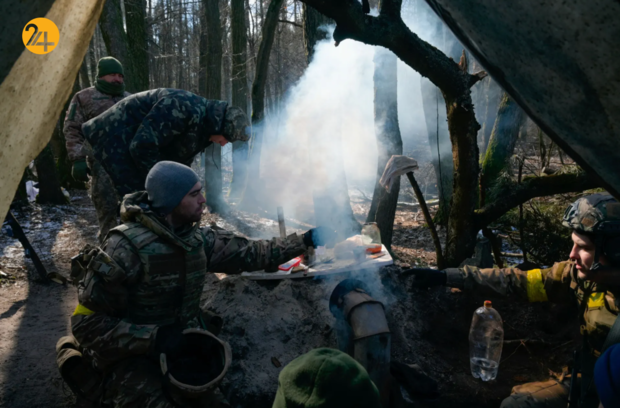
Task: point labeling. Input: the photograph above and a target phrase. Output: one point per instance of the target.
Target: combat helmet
(198, 369)
(597, 215)
(236, 125)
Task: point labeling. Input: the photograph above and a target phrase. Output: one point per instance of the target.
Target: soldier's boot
(104, 198)
(544, 394)
(79, 376)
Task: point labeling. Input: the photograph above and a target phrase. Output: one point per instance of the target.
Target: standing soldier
(160, 124)
(591, 277)
(85, 105)
(139, 297)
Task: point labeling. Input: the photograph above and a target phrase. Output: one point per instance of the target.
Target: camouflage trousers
(104, 197)
(544, 394)
(137, 383)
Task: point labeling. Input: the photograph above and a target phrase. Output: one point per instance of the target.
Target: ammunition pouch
(89, 270)
(83, 380)
(95, 259)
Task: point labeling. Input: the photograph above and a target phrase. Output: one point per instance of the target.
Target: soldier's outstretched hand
(426, 277)
(319, 236)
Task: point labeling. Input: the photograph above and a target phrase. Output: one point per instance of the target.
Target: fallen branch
(429, 219)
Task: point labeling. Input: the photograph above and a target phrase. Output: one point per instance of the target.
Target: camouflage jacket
(105, 321)
(85, 105)
(151, 126)
(558, 284)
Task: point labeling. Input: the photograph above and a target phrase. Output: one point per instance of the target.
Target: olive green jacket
(558, 284)
(152, 276)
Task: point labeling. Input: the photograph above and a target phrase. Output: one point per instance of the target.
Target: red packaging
(290, 264)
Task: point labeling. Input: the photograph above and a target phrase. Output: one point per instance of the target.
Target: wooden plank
(281, 223)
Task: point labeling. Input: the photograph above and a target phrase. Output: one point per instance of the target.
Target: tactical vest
(173, 278)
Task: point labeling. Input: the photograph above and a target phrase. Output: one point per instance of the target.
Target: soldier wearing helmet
(160, 124)
(591, 276)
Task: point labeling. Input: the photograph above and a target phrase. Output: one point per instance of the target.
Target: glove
(427, 278)
(170, 340)
(80, 171)
(319, 236)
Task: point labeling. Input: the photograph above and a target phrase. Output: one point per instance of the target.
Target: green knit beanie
(325, 378)
(109, 65)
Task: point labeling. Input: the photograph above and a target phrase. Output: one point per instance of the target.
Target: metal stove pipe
(362, 331)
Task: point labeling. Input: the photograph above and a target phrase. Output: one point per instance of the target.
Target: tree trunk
(116, 42)
(312, 34)
(239, 93)
(462, 231)
(49, 185)
(84, 78)
(440, 146)
(135, 16)
(258, 99)
(389, 142)
(210, 86)
(493, 94)
(437, 123)
(504, 137)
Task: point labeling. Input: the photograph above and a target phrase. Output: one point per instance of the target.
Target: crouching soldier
(156, 125)
(591, 277)
(138, 325)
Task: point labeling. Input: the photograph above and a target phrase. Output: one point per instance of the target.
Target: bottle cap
(487, 303)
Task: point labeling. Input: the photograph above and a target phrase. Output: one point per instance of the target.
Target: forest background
(326, 119)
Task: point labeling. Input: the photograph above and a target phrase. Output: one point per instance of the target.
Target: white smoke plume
(325, 128)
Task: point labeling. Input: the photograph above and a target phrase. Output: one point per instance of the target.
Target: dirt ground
(269, 324)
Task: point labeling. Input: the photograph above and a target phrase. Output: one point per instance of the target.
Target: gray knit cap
(167, 183)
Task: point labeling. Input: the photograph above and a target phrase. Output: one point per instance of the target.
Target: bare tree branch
(391, 7)
(291, 22)
(515, 194)
(389, 31)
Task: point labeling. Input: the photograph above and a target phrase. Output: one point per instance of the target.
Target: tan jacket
(85, 105)
(558, 284)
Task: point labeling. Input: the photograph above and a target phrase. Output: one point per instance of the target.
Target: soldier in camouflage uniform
(161, 124)
(591, 278)
(144, 287)
(85, 105)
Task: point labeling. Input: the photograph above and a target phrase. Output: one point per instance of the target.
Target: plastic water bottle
(486, 337)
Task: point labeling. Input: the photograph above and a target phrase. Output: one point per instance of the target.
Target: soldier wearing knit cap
(87, 104)
(325, 378)
(142, 290)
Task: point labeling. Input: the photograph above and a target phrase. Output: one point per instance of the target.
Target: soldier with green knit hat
(85, 105)
(325, 378)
